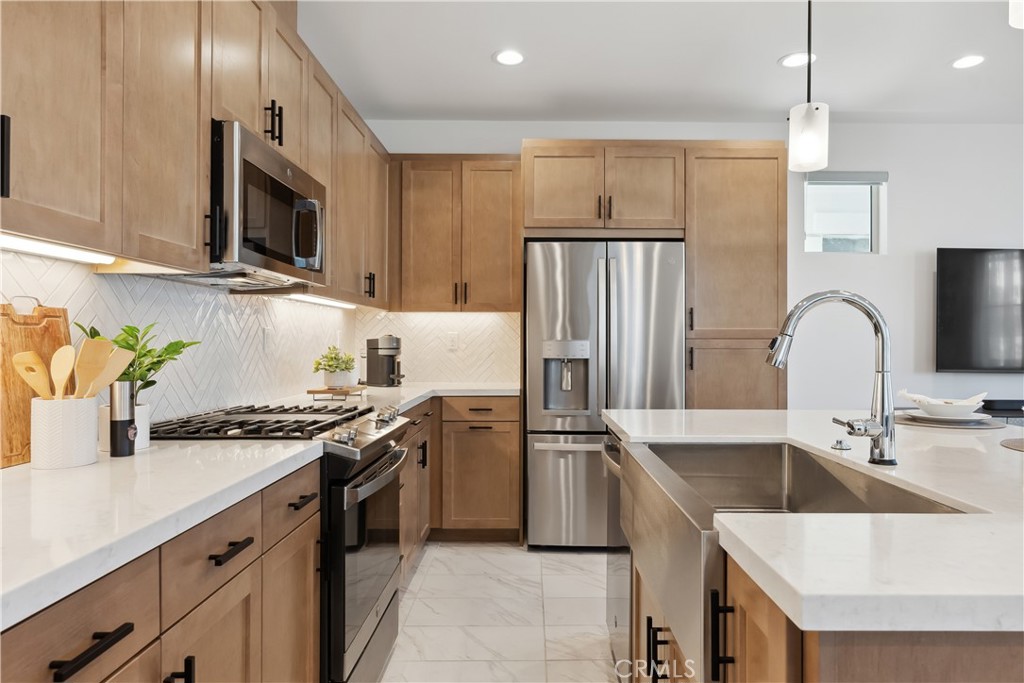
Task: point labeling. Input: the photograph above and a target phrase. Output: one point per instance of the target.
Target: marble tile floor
(476, 613)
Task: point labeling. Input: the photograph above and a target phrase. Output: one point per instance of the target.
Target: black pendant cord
(809, 57)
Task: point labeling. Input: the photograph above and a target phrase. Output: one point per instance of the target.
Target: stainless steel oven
(267, 215)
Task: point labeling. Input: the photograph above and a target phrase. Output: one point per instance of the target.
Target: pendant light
(808, 126)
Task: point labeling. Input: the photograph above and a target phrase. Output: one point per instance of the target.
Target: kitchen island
(862, 573)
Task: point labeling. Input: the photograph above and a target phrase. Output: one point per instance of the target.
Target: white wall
(949, 186)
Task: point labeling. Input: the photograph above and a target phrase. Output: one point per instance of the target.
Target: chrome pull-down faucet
(881, 426)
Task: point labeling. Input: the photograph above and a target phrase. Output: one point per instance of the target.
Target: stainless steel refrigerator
(604, 329)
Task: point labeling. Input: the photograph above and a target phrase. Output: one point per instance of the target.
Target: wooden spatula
(116, 364)
(92, 359)
(31, 368)
(61, 365)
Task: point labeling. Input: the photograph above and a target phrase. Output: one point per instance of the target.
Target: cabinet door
(377, 225)
(425, 462)
(291, 606)
(408, 507)
(481, 475)
(735, 242)
(646, 615)
(492, 236)
(644, 187)
(240, 54)
(142, 668)
(287, 65)
(564, 187)
(431, 235)
(763, 641)
(435, 464)
(61, 86)
(223, 633)
(347, 266)
(321, 112)
(731, 373)
(167, 132)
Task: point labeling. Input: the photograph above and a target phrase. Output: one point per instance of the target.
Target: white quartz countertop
(63, 529)
(875, 572)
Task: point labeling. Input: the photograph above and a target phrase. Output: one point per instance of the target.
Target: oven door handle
(354, 496)
(313, 206)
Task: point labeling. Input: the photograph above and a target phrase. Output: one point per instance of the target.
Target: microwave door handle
(306, 206)
(354, 496)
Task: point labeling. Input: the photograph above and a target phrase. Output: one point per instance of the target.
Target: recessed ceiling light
(795, 59)
(968, 61)
(508, 57)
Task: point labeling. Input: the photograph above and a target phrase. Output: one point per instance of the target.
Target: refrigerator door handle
(613, 333)
(600, 392)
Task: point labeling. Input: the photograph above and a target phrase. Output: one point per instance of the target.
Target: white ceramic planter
(334, 380)
(64, 432)
(142, 422)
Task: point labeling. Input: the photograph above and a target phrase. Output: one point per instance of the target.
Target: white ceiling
(669, 61)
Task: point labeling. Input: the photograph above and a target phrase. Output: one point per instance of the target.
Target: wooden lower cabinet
(481, 478)
(291, 606)
(223, 634)
(765, 644)
(142, 668)
(731, 373)
(408, 507)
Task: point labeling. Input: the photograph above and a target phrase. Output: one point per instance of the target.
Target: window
(844, 212)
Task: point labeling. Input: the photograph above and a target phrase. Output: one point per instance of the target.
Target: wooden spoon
(92, 359)
(61, 365)
(30, 366)
(118, 361)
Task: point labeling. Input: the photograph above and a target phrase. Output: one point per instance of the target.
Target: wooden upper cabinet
(564, 186)
(60, 84)
(287, 65)
(481, 475)
(240, 62)
(765, 644)
(644, 187)
(321, 123)
(347, 267)
(731, 373)
(492, 236)
(431, 235)
(735, 242)
(377, 225)
(167, 132)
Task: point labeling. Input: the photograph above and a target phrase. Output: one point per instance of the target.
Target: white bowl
(949, 409)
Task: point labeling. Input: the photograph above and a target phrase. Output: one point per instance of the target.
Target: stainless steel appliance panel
(646, 325)
(567, 490)
(565, 290)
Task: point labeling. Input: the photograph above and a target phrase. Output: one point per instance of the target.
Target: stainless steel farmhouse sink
(672, 492)
(782, 478)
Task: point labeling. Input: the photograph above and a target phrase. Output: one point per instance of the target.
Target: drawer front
(64, 631)
(188, 572)
(481, 408)
(290, 502)
(143, 668)
(424, 409)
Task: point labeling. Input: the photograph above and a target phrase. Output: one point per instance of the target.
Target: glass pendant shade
(808, 137)
(1017, 13)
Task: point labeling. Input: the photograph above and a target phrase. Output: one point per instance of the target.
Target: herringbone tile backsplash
(254, 348)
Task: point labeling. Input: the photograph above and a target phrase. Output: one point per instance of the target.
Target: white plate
(922, 416)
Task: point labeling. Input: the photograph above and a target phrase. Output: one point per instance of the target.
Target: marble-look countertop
(63, 529)
(875, 572)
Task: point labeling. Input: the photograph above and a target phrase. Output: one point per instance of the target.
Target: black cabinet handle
(280, 126)
(654, 665)
(416, 423)
(373, 285)
(690, 315)
(428, 413)
(422, 460)
(216, 243)
(273, 119)
(188, 675)
(66, 668)
(369, 285)
(481, 410)
(465, 292)
(718, 660)
(455, 296)
(609, 207)
(481, 427)
(691, 358)
(5, 155)
(599, 212)
(304, 501)
(234, 548)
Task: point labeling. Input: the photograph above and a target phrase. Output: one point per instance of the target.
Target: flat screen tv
(979, 321)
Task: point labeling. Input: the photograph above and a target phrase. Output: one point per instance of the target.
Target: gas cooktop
(259, 422)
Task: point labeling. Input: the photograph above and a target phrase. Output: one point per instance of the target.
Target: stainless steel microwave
(267, 216)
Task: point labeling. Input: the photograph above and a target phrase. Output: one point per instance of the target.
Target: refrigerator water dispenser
(566, 376)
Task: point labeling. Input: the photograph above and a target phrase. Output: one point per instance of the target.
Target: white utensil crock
(141, 422)
(64, 432)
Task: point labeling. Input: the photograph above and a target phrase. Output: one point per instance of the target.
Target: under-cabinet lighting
(968, 61)
(322, 301)
(57, 251)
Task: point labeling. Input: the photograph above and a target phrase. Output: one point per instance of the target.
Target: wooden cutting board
(44, 330)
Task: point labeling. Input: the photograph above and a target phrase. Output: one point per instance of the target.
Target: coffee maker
(383, 361)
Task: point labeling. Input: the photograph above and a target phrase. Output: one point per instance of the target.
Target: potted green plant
(339, 368)
(149, 360)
